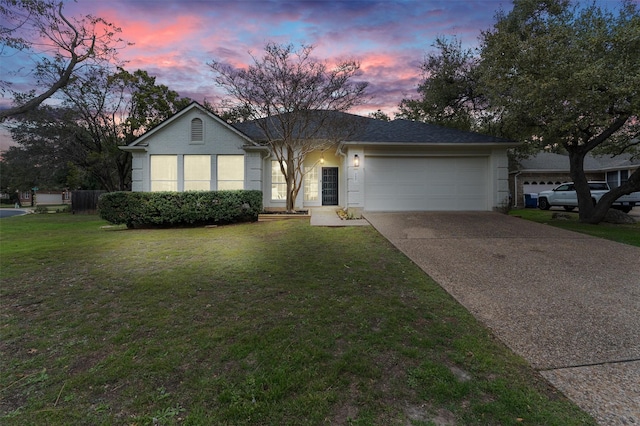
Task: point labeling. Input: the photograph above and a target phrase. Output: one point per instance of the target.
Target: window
(278, 182)
(565, 187)
(595, 186)
(230, 172)
(197, 172)
(197, 131)
(617, 178)
(164, 172)
(311, 184)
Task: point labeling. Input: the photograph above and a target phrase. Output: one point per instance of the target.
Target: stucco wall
(499, 168)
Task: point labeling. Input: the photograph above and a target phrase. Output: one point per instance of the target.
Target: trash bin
(531, 200)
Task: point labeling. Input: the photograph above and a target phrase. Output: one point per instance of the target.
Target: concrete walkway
(566, 302)
(328, 216)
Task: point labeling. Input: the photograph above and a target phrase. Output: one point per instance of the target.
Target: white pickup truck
(565, 196)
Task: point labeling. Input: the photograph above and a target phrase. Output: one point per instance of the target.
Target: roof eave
(255, 147)
(564, 170)
(134, 148)
(507, 144)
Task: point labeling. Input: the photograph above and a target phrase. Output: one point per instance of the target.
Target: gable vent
(197, 130)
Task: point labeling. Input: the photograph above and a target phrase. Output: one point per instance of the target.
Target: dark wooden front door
(329, 186)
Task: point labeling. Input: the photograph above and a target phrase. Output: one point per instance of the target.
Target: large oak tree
(557, 73)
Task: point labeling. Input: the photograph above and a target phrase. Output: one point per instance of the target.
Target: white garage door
(48, 198)
(426, 183)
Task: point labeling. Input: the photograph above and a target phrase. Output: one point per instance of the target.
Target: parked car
(564, 195)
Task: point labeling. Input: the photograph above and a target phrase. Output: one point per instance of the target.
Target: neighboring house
(44, 197)
(384, 166)
(547, 170)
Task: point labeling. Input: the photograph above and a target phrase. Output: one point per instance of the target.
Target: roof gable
(142, 140)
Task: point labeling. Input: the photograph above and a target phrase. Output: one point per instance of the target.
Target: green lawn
(627, 234)
(272, 323)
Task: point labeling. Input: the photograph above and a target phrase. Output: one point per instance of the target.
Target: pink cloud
(175, 39)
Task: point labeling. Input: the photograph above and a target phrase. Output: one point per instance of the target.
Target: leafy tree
(449, 94)
(37, 166)
(148, 104)
(229, 113)
(561, 74)
(101, 112)
(380, 115)
(57, 44)
(46, 152)
(292, 96)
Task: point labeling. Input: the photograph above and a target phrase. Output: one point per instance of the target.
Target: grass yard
(627, 234)
(274, 323)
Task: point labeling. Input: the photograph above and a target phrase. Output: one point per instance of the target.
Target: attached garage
(426, 183)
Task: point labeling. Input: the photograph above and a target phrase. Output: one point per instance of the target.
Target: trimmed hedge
(144, 209)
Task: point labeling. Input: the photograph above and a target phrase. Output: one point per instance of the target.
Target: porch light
(356, 161)
(322, 158)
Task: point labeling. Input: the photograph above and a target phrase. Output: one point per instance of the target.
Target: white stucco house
(384, 166)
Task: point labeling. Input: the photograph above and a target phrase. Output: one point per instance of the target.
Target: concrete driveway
(566, 302)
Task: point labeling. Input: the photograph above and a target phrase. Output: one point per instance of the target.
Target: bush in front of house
(145, 209)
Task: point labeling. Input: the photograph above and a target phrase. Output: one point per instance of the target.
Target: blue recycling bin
(531, 201)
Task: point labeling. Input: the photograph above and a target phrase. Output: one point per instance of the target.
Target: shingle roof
(548, 161)
(370, 130)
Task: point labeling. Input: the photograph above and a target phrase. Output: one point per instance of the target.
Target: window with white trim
(311, 184)
(617, 178)
(230, 172)
(278, 182)
(197, 131)
(197, 172)
(164, 172)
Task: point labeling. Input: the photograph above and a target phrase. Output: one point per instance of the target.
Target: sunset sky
(175, 39)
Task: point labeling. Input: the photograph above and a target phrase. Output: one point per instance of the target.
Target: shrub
(41, 210)
(140, 209)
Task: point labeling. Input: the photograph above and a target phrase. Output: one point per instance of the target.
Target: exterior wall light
(356, 160)
(322, 158)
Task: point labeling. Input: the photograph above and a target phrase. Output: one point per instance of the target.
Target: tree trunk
(603, 206)
(581, 185)
(290, 178)
(589, 211)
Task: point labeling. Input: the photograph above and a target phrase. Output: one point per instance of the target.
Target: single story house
(546, 170)
(40, 198)
(395, 165)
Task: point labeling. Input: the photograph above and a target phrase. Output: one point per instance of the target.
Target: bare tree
(293, 98)
(57, 44)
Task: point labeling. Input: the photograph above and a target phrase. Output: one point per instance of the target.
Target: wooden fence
(85, 201)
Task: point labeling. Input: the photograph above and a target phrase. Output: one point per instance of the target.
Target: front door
(329, 186)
